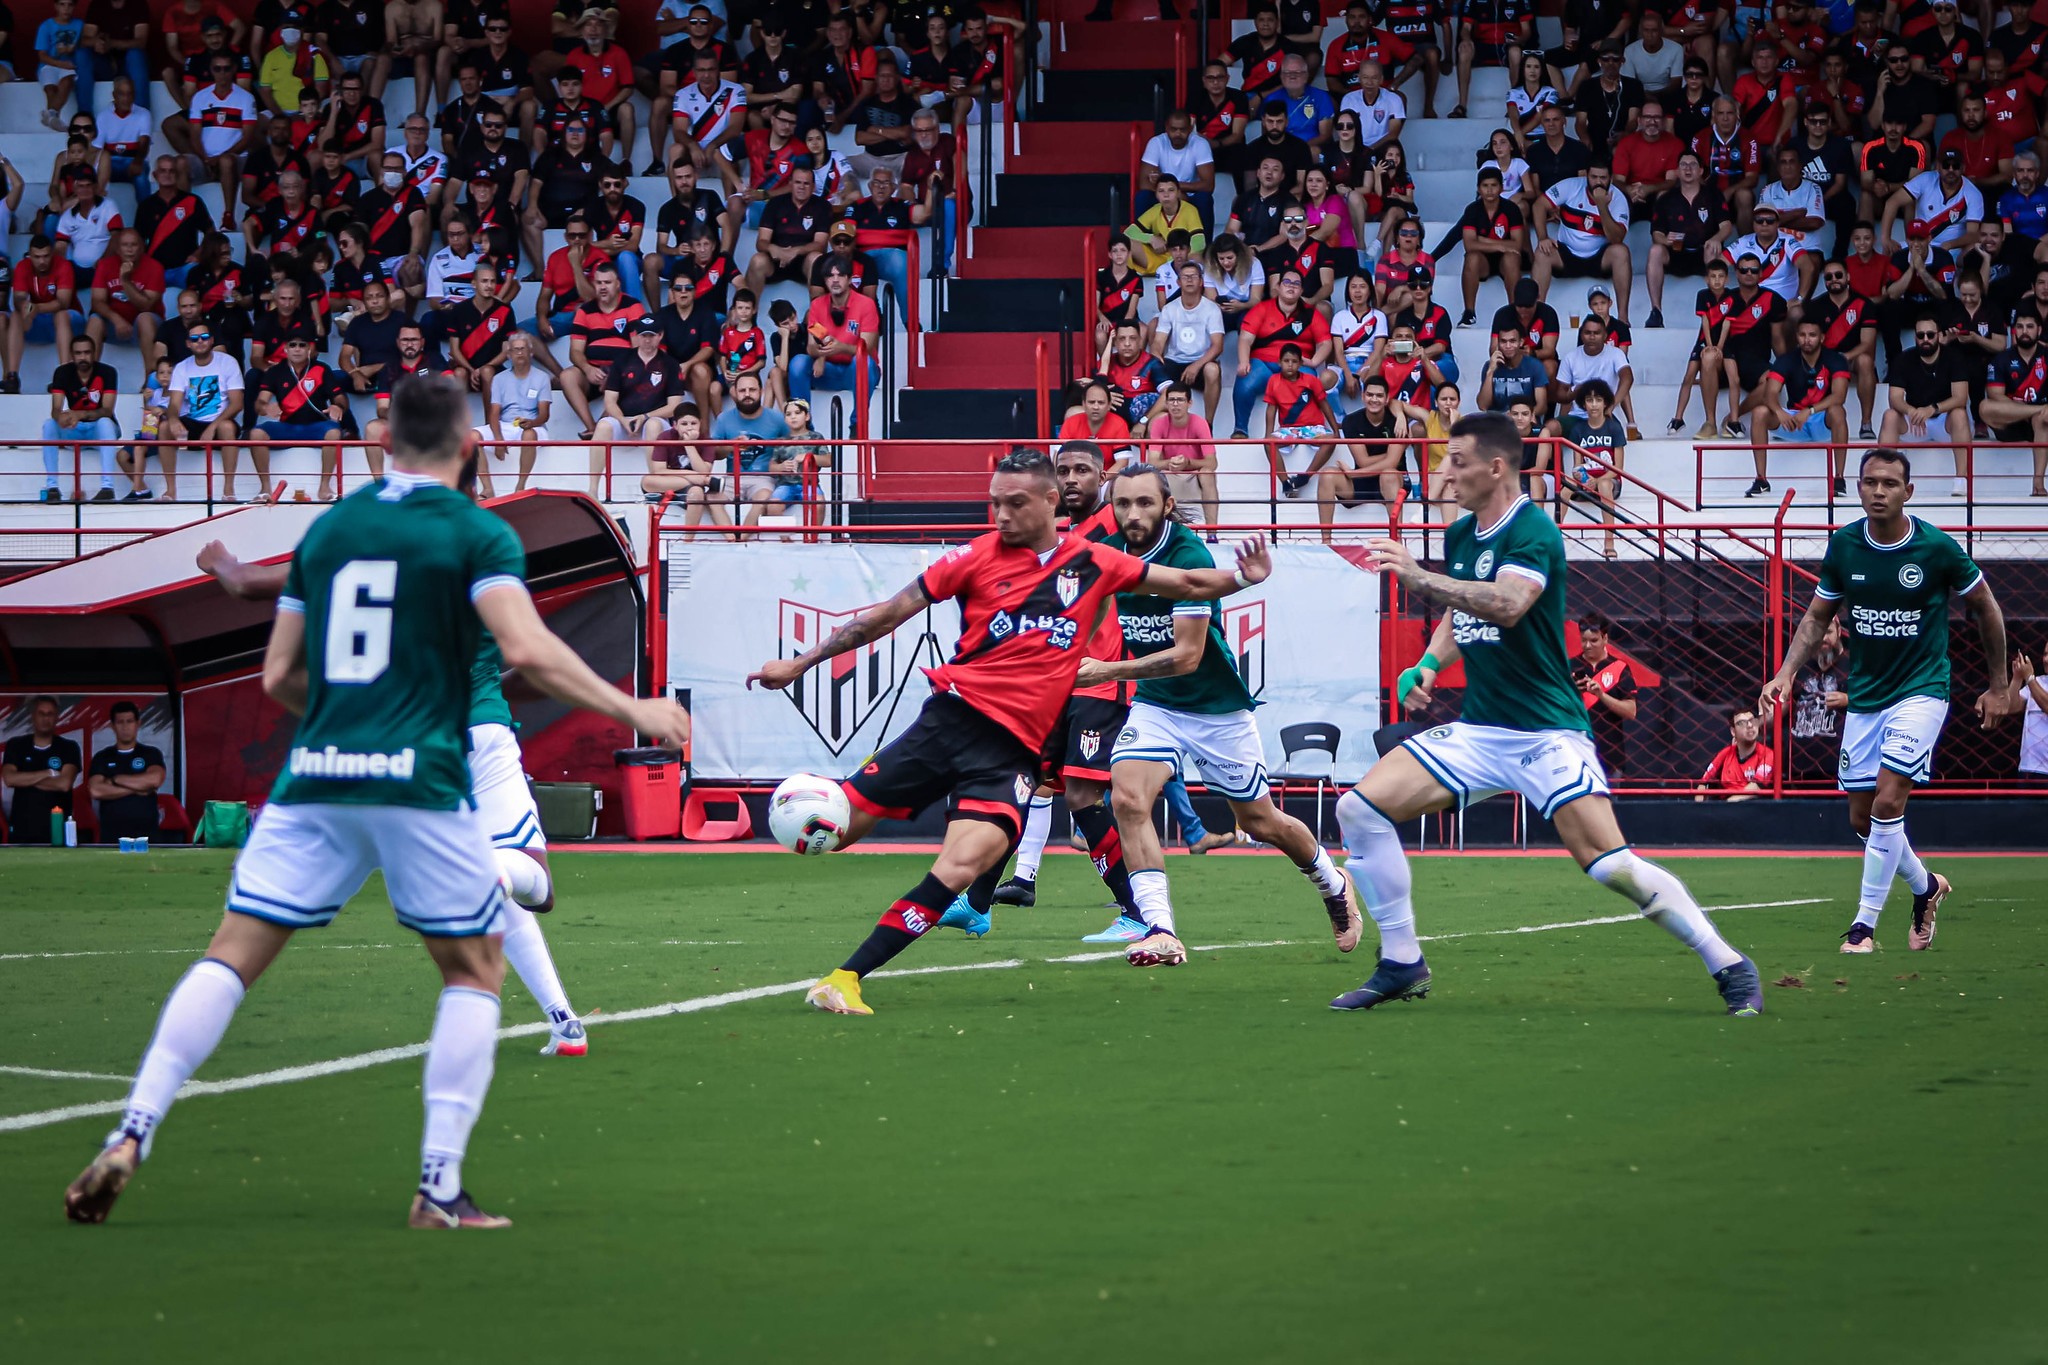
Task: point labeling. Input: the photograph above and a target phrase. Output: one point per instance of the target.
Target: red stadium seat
(171, 818)
(698, 824)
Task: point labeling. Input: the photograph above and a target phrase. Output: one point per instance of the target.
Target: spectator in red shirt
(1094, 421)
(1646, 161)
(927, 177)
(127, 295)
(1766, 98)
(1741, 771)
(45, 307)
(1986, 152)
(840, 321)
(607, 75)
(1277, 322)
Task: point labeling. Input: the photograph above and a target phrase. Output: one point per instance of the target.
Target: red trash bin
(651, 780)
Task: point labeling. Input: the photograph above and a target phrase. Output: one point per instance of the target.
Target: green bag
(223, 824)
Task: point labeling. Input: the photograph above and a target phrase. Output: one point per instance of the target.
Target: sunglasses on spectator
(199, 336)
(1836, 279)
(1748, 270)
(576, 236)
(1294, 218)
(1925, 336)
(497, 28)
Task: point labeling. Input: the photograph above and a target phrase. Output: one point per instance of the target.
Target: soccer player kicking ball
(1523, 727)
(1030, 600)
(375, 639)
(504, 806)
(1083, 737)
(1893, 573)
(1191, 705)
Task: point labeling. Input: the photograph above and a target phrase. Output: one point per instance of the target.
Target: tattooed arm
(873, 624)
(1813, 628)
(1184, 655)
(1503, 602)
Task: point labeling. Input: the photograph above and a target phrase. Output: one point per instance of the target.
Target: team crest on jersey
(1911, 576)
(1091, 743)
(1066, 585)
(838, 700)
(1483, 568)
(491, 325)
(1244, 630)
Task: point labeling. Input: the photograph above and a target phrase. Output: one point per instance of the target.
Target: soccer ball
(808, 814)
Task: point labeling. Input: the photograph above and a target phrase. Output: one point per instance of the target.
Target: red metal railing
(1140, 133)
(1041, 369)
(1092, 260)
(1181, 43)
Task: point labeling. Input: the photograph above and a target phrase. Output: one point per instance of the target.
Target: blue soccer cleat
(1742, 988)
(964, 917)
(1389, 981)
(1122, 929)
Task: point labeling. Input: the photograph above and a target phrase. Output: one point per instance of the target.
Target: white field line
(363, 1060)
(47, 1075)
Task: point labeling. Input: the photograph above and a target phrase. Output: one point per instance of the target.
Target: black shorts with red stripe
(1080, 744)
(952, 751)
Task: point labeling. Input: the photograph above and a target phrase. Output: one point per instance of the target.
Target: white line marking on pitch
(15, 1123)
(48, 1075)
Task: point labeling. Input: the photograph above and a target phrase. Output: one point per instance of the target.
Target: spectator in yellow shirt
(287, 70)
(1148, 235)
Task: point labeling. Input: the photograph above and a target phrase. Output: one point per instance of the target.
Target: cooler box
(568, 810)
(651, 781)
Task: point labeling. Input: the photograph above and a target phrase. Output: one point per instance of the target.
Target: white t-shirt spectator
(1358, 334)
(1575, 367)
(1512, 176)
(519, 399)
(1229, 289)
(1803, 197)
(1182, 163)
(123, 136)
(1578, 227)
(449, 276)
(706, 117)
(88, 232)
(1373, 118)
(1189, 331)
(424, 171)
(1780, 260)
(1524, 103)
(206, 387)
(1947, 214)
(2033, 737)
(220, 119)
(1657, 70)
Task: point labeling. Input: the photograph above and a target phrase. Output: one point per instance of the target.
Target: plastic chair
(171, 817)
(1310, 737)
(701, 828)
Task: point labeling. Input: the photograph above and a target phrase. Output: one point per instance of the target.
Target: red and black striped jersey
(1806, 385)
(2024, 378)
(1025, 619)
(1841, 328)
(1107, 643)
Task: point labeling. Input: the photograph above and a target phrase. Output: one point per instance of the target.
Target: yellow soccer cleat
(838, 993)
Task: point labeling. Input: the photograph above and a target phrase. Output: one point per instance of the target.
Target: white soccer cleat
(566, 1038)
(1157, 949)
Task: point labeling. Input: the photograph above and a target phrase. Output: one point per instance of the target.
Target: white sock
(1037, 829)
(1378, 865)
(1883, 851)
(1155, 902)
(460, 1056)
(526, 950)
(525, 876)
(1323, 872)
(1911, 869)
(1664, 902)
(195, 1015)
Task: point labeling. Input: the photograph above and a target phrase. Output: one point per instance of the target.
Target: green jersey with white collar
(1517, 677)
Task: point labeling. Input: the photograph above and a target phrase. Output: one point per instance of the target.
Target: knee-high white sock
(525, 877)
(1037, 829)
(526, 950)
(1155, 902)
(196, 1014)
(1883, 850)
(1911, 870)
(1378, 865)
(460, 1057)
(1664, 902)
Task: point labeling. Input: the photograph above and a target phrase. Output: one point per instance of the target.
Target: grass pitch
(1567, 1153)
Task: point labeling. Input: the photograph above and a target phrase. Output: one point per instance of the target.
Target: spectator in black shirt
(495, 157)
(842, 250)
(124, 778)
(1274, 141)
(1828, 161)
(1903, 96)
(1686, 222)
(1927, 398)
(1534, 319)
(881, 122)
(1255, 217)
(711, 273)
(690, 209)
(792, 234)
(1606, 107)
(371, 339)
(299, 402)
(457, 120)
(642, 392)
(172, 222)
(1690, 103)
(1554, 157)
(39, 767)
(1589, 27)
(1608, 687)
(1495, 236)
(565, 181)
(772, 73)
(569, 107)
(689, 333)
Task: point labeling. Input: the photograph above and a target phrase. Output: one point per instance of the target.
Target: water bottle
(70, 832)
(56, 829)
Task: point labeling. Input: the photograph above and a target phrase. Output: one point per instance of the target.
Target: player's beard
(1148, 532)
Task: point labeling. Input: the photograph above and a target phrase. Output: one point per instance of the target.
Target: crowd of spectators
(1865, 168)
(357, 244)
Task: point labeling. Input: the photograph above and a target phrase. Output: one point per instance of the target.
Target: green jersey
(1214, 688)
(1895, 605)
(487, 704)
(386, 582)
(1517, 677)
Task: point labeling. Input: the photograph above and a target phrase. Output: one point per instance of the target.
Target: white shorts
(1937, 432)
(1227, 747)
(303, 863)
(497, 783)
(1900, 737)
(1549, 767)
(483, 432)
